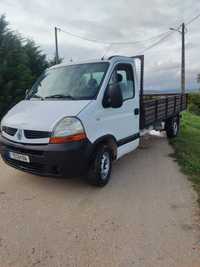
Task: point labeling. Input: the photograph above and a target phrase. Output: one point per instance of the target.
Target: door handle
(136, 111)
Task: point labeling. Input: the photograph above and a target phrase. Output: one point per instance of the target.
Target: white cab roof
(112, 59)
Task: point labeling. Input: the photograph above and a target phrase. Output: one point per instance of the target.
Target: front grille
(8, 130)
(36, 134)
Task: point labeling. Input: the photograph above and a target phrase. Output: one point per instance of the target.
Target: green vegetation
(21, 62)
(194, 103)
(198, 78)
(187, 148)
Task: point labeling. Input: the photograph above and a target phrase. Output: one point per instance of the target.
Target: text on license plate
(19, 157)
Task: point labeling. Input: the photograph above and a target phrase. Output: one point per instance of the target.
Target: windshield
(70, 82)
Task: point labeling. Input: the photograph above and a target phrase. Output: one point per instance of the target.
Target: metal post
(56, 45)
(182, 32)
(183, 60)
(142, 76)
(142, 116)
(141, 58)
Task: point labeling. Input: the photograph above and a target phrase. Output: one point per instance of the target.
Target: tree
(21, 63)
(36, 61)
(198, 78)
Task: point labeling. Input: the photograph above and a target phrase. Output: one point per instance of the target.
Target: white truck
(79, 117)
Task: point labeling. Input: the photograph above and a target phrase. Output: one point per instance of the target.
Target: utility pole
(56, 45)
(183, 59)
(182, 32)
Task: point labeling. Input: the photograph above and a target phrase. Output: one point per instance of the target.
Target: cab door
(123, 122)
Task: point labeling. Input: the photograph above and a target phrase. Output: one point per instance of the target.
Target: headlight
(68, 129)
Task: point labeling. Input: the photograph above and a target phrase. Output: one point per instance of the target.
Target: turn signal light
(67, 139)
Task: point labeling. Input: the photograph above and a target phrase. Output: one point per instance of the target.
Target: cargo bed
(160, 107)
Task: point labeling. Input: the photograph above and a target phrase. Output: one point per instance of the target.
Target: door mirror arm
(106, 100)
(26, 93)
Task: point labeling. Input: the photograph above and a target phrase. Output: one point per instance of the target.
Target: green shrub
(194, 103)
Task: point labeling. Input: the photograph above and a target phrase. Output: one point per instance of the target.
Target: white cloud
(121, 20)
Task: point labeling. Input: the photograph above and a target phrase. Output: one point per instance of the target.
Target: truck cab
(75, 120)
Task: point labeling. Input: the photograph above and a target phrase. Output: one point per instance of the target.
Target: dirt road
(145, 217)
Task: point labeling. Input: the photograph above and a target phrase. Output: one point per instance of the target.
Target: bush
(194, 103)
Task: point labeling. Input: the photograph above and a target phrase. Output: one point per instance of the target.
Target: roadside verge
(187, 148)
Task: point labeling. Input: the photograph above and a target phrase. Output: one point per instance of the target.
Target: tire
(101, 167)
(172, 127)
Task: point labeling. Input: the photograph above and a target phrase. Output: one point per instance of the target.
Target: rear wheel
(172, 127)
(101, 166)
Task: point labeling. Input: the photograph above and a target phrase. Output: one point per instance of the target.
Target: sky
(114, 21)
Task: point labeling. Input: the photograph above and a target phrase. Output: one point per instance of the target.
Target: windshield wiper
(60, 96)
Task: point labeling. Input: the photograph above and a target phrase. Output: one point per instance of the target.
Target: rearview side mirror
(113, 97)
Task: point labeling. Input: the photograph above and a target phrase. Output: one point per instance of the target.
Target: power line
(157, 42)
(169, 33)
(111, 43)
(193, 19)
(163, 36)
(82, 37)
(166, 36)
(139, 41)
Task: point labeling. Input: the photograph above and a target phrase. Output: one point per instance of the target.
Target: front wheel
(101, 166)
(172, 127)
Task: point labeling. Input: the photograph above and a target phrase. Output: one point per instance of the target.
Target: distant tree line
(21, 62)
(198, 78)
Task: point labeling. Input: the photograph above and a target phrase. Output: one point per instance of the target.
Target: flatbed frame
(160, 108)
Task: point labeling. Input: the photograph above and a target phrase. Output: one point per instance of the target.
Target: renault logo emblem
(19, 134)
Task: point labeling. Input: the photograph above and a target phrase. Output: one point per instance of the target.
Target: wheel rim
(105, 165)
(175, 127)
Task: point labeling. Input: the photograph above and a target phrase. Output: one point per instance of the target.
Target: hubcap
(175, 127)
(105, 165)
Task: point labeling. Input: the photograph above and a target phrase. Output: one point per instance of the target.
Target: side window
(123, 74)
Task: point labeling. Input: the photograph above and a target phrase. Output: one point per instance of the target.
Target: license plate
(19, 157)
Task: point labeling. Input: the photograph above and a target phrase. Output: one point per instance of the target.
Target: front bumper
(67, 160)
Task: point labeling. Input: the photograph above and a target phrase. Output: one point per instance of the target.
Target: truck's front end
(43, 134)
